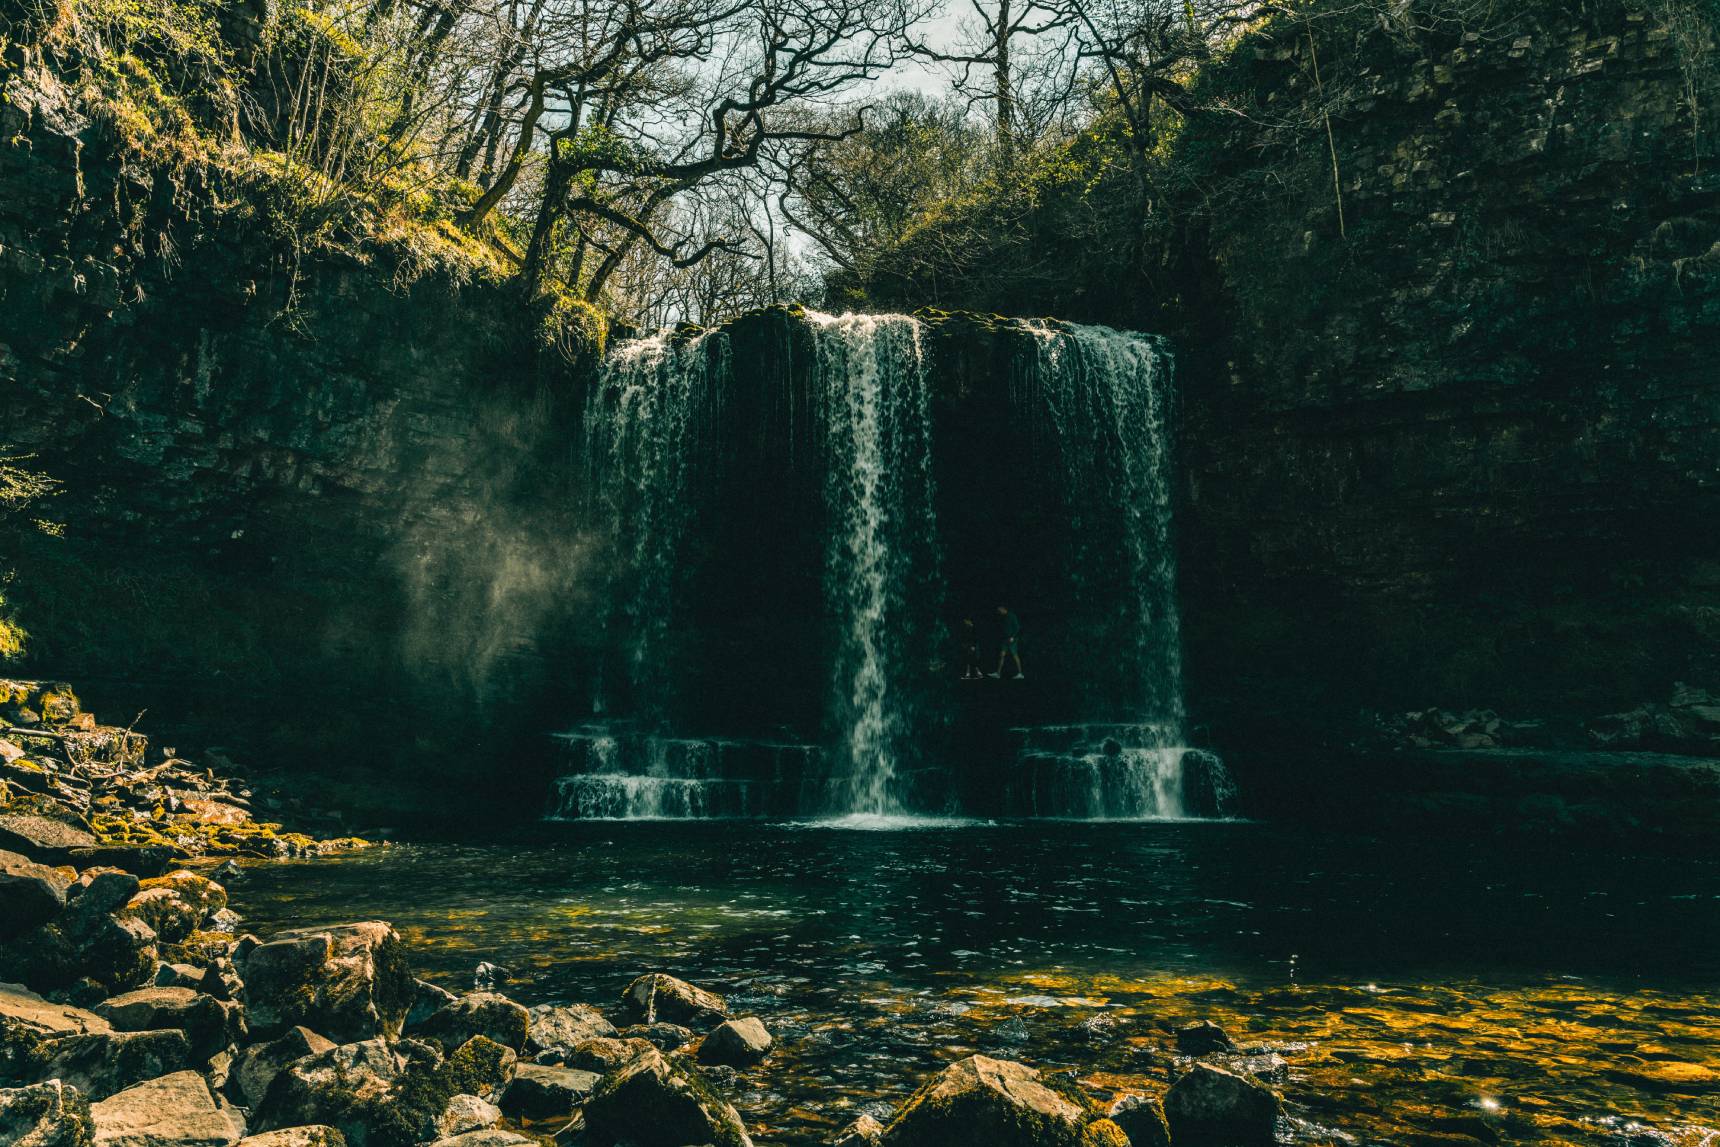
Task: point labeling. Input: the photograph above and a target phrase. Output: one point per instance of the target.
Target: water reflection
(1456, 993)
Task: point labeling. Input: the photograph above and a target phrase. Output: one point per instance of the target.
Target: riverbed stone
(980, 1100)
(258, 1064)
(315, 1135)
(539, 1092)
(100, 1064)
(664, 1037)
(558, 1027)
(50, 1114)
(350, 982)
(479, 1013)
(176, 1110)
(1211, 1107)
(210, 1024)
(605, 1055)
(1143, 1120)
(30, 894)
(737, 1043)
(42, 839)
(863, 1132)
(463, 1113)
(656, 997)
(1203, 1038)
(655, 1102)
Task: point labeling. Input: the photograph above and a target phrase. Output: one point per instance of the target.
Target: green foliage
(21, 487)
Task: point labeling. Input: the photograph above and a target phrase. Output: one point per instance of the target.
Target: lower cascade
(816, 525)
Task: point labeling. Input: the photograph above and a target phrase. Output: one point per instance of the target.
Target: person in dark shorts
(970, 651)
(1010, 647)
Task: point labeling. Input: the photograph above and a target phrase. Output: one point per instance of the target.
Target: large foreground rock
(548, 1092)
(208, 1023)
(173, 1111)
(487, 1014)
(48, 1114)
(653, 1102)
(258, 1064)
(41, 839)
(349, 982)
(100, 1064)
(991, 1102)
(659, 997)
(30, 894)
(557, 1028)
(176, 905)
(1211, 1107)
(87, 942)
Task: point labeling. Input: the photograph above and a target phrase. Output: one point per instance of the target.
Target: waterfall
(881, 567)
(643, 448)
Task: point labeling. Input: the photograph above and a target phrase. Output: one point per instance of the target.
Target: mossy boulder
(1211, 1107)
(655, 997)
(349, 982)
(985, 1102)
(656, 1102)
(176, 905)
(478, 1013)
(51, 1114)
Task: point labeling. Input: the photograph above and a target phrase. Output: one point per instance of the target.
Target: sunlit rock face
(798, 514)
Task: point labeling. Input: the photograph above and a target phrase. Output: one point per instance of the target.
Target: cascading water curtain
(1106, 395)
(881, 575)
(644, 445)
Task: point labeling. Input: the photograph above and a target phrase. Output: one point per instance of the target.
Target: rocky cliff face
(312, 504)
(1450, 418)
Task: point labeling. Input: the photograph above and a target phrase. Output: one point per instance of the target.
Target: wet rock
(316, 1135)
(1203, 1038)
(605, 1055)
(30, 894)
(657, 997)
(176, 905)
(173, 1111)
(480, 1013)
(463, 1113)
(427, 1000)
(1211, 1107)
(51, 1114)
(258, 1064)
(737, 1043)
(547, 1092)
(488, 977)
(228, 872)
(653, 1102)
(662, 1036)
(42, 839)
(979, 1100)
(1142, 1120)
(558, 1027)
(210, 1024)
(101, 1064)
(863, 1132)
(349, 982)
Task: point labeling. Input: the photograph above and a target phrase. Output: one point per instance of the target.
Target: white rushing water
(869, 373)
(642, 445)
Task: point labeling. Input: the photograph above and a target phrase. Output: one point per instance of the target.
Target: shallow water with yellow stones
(1427, 992)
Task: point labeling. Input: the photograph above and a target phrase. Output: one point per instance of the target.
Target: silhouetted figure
(1011, 637)
(970, 651)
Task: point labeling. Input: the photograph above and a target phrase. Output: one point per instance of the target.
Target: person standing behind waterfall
(1009, 648)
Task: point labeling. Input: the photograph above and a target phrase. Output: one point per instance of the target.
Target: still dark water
(1420, 992)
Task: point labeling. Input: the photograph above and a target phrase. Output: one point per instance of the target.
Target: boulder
(30, 894)
(978, 1100)
(41, 838)
(350, 1087)
(1104, 1133)
(737, 1043)
(51, 1114)
(350, 982)
(653, 1102)
(101, 1064)
(86, 942)
(479, 1013)
(481, 1067)
(1142, 1120)
(1203, 1038)
(174, 1111)
(659, 997)
(316, 1135)
(558, 1027)
(1211, 1107)
(664, 1037)
(24, 1013)
(463, 1113)
(547, 1092)
(863, 1132)
(605, 1055)
(258, 1064)
(105, 891)
(175, 905)
(427, 1000)
(494, 1138)
(210, 1024)
(179, 976)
